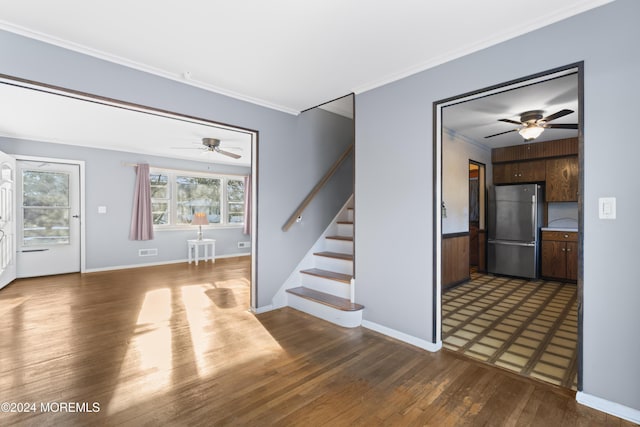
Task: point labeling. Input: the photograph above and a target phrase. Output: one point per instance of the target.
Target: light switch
(607, 208)
(102, 209)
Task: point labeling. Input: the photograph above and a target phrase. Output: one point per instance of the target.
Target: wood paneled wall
(455, 259)
(538, 150)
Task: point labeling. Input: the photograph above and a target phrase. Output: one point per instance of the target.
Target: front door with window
(48, 218)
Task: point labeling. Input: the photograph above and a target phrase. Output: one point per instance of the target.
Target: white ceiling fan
(213, 145)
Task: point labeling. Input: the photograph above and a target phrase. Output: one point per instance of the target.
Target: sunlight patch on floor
(148, 356)
(203, 323)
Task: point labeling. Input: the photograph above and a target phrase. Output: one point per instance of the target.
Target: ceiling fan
(213, 144)
(533, 123)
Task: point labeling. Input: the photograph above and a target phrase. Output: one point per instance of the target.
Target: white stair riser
(345, 230)
(347, 319)
(328, 286)
(333, 264)
(350, 215)
(341, 246)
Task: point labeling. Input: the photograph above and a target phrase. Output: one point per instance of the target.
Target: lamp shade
(199, 218)
(530, 132)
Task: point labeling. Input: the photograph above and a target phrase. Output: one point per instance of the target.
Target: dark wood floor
(176, 345)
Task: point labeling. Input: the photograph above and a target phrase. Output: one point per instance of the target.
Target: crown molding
(186, 79)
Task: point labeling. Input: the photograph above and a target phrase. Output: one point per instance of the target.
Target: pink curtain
(142, 219)
(247, 205)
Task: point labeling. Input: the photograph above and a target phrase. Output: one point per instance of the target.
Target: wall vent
(148, 252)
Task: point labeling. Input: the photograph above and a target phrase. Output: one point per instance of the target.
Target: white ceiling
(37, 115)
(283, 54)
(478, 118)
(286, 54)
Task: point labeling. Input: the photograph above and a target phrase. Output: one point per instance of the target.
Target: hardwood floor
(176, 345)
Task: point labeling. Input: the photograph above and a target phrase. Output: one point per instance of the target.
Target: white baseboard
(152, 264)
(401, 336)
(263, 309)
(609, 407)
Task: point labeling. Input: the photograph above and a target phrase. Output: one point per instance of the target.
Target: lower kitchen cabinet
(559, 254)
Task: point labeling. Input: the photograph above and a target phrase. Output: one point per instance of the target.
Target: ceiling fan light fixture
(531, 132)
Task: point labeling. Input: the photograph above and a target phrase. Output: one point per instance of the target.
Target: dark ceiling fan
(532, 123)
(213, 144)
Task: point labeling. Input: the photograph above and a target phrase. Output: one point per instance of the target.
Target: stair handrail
(298, 212)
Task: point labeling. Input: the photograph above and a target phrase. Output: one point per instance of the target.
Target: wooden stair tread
(345, 238)
(345, 222)
(332, 275)
(333, 301)
(337, 255)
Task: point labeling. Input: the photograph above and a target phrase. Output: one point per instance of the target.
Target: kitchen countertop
(565, 229)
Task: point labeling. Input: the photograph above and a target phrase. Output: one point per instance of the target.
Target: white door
(48, 223)
(7, 220)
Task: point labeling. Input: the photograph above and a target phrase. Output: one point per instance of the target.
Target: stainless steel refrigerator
(515, 215)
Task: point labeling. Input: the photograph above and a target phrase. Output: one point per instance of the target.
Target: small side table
(195, 244)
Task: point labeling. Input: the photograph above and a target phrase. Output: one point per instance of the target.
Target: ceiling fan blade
(557, 115)
(501, 133)
(228, 153)
(509, 121)
(188, 148)
(561, 126)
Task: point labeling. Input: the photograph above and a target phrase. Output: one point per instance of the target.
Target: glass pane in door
(45, 207)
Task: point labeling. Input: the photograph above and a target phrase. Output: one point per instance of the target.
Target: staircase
(326, 290)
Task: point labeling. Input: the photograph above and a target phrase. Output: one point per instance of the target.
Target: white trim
(179, 77)
(83, 223)
(401, 336)
(542, 21)
(153, 264)
(616, 409)
(263, 309)
(456, 135)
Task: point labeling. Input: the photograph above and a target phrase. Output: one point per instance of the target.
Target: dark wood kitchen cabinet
(559, 254)
(562, 179)
(519, 172)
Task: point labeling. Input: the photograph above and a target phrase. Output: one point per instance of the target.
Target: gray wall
(396, 286)
(456, 153)
(288, 161)
(110, 184)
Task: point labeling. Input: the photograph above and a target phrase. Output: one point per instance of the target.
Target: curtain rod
(184, 170)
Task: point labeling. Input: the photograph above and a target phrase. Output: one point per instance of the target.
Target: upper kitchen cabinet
(553, 162)
(562, 179)
(519, 172)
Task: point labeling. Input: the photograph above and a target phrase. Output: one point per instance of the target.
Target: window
(46, 208)
(235, 201)
(177, 196)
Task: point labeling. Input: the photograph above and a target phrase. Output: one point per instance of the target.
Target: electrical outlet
(244, 245)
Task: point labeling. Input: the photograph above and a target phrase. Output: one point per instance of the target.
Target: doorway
(477, 228)
(442, 130)
(49, 232)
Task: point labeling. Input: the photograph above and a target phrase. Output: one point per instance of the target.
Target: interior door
(49, 218)
(7, 219)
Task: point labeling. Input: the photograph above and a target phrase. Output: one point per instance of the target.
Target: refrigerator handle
(533, 217)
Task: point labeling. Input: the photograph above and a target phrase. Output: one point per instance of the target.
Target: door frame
(81, 165)
(578, 68)
(118, 103)
(482, 199)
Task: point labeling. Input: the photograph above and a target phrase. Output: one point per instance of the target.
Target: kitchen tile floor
(529, 327)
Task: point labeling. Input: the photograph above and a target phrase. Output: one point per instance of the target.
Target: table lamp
(200, 219)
